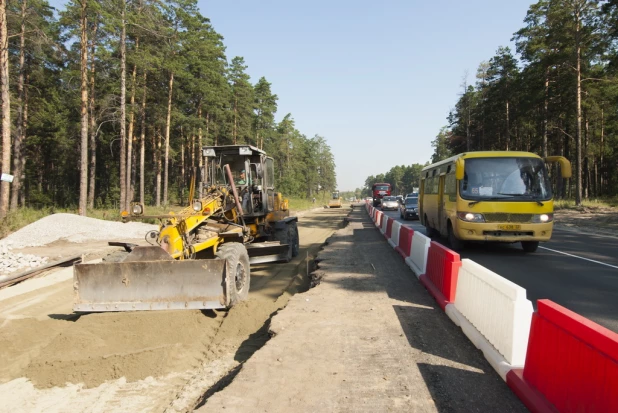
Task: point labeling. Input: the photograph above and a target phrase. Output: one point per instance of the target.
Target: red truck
(380, 190)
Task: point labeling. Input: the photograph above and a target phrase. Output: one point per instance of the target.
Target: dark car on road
(409, 208)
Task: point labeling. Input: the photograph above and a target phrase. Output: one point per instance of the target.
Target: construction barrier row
(553, 359)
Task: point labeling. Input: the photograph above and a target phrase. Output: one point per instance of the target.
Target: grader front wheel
(238, 275)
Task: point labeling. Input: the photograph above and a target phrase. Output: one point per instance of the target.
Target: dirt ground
(53, 360)
(598, 220)
(368, 338)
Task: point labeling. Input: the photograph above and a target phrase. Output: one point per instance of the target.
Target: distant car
(369, 199)
(400, 199)
(409, 208)
(390, 203)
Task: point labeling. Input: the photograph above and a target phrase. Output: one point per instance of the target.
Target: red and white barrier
(418, 253)
(404, 245)
(385, 220)
(378, 218)
(498, 310)
(571, 365)
(393, 239)
(440, 278)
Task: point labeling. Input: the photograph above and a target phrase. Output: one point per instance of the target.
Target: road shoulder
(367, 338)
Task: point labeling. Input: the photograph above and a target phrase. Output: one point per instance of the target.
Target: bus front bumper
(475, 231)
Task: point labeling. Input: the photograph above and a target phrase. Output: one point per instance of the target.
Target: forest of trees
(109, 101)
(559, 97)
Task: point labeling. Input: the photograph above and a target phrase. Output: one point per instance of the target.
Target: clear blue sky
(375, 78)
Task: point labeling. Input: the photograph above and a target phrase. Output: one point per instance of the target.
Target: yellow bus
(499, 196)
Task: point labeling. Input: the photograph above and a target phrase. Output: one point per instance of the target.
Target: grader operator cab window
(270, 173)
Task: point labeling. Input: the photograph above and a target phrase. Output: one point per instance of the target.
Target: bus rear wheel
(428, 229)
(530, 246)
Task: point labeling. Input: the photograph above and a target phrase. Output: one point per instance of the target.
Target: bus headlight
(542, 218)
(470, 217)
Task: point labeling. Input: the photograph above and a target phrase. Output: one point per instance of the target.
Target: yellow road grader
(335, 201)
(200, 257)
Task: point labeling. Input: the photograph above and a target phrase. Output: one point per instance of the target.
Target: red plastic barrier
(389, 228)
(405, 241)
(378, 219)
(571, 361)
(441, 275)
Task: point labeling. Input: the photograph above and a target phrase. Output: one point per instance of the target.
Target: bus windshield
(509, 179)
(381, 188)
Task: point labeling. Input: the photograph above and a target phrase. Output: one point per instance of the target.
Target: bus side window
(450, 187)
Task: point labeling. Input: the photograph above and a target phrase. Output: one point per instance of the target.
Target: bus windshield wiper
(493, 198)
(523, 195)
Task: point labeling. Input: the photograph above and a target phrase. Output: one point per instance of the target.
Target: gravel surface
(69, 227)
(11, 262)
(73, 228)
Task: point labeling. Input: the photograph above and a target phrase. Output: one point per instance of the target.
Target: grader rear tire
(294, 239)
(238, 274)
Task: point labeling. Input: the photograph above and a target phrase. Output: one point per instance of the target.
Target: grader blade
(150, 285)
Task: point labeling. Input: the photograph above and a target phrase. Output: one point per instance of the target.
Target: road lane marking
(581, 258)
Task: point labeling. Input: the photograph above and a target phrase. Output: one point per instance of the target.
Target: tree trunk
(83, 179)
(157, 153)
(167, 137)
(235, 133)
(182, 166)
(93, 131)
(545, 113)
(22, 193)
(200, 139)
(192, 153)
(578, 136)
(123, 111)
(129, 183)
(601, 162)
(586, 171)
(142, 149)
(21, 131)
(6, 110)
(507, 135)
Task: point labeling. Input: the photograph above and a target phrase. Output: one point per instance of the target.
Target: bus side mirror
(459, 169)
(565, 165)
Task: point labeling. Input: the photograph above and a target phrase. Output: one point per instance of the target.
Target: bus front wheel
(455, 243)
(529, 246)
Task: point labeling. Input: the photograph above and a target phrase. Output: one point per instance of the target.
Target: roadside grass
(587, 204)
(302, 204)
(22, 217)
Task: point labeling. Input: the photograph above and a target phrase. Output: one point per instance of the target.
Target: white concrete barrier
(497, 308)
(418, 253)
(394, 239)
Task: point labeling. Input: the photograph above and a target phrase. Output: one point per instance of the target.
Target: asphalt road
(578, 271)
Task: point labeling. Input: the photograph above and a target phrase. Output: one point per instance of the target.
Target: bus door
(441, 210)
